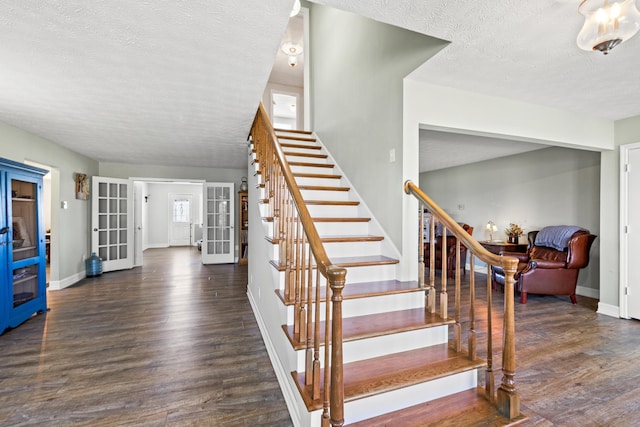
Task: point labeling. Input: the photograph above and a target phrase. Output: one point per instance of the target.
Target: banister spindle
(508, 399)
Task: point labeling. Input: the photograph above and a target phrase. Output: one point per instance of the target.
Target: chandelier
(607, 23)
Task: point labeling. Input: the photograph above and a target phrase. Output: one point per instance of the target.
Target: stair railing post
(489, 377)
(444, 307)
(421, 250)
(431, 299)
(336, 277)
(508, 399)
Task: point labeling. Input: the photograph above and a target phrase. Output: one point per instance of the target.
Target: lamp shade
(607, 23)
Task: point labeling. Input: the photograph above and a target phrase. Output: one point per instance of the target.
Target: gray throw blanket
(556, 236)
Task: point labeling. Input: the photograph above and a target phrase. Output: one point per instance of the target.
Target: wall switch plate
(64, 204)
(392, 155)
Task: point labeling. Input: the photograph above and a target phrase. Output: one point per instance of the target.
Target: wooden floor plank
(171, 343)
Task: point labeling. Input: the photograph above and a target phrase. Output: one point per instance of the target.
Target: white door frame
(624, 219)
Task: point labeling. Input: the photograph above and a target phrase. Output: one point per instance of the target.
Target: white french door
(218, 243)
(112, 222)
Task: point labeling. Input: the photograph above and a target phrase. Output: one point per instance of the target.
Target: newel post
(336, 277)
(508, 399)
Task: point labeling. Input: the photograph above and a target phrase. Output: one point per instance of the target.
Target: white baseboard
(588, 292)
(281, 375)
(157, 246)
(609, 310)
(56, 285)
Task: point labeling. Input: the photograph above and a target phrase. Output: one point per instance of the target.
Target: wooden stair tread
(369, 289)
(329, 219)
(341, 219)
(316, 175)
(466, 408)
(338, 239)
(356, 261)
(333, 202)
(375, 325)
(304, 146)
(323, 188)
(300, 131)
(297, 138)
(366, 377)
(314, 155)
(312, 165)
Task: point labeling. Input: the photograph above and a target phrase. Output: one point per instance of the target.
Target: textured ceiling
(177, 82)
(139, 81)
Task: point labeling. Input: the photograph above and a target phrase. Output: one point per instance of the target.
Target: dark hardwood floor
(171, 343)
(175, 343)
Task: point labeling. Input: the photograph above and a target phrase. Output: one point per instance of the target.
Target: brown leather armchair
(547, 270)
(451, 252)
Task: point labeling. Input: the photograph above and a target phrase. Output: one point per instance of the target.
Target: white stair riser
(348, 249)
(311, 169)
(342, 228)
(307, 148)
(321, 211)
(294, 158)
(324, 195)
(318, 181)
(379, 346)
(371, 273)
(371, 305)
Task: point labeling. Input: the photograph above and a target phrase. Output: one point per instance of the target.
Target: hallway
(171, 343)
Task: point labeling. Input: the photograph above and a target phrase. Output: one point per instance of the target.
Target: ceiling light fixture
(607, 23)
(296, 9)
(292, 50)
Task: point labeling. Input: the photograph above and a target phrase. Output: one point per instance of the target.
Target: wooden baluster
(295, 272)
(336, 279)
(316, 339)
(302, 317)
(457, 327)
(309, 326)
(421, 254)
(508, 399)
(444, 308)
(431, 299)
(472, 313)
(489, 377)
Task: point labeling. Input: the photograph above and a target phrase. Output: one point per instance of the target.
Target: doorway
(180, 224)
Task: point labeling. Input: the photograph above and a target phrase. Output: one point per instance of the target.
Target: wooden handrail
(302, 251)
(508, 399)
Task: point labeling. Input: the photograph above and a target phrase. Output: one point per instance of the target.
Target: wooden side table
(497, 246)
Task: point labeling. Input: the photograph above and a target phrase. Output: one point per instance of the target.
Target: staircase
(396, 361)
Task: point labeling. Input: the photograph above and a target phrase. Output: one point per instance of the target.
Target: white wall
(553, 186)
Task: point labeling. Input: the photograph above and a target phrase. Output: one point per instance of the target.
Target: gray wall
(69, 227)
(357, 67)
(552, 186)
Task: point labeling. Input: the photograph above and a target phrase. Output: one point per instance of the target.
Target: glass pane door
(218, 243)
(112, 238)
(24, 241)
